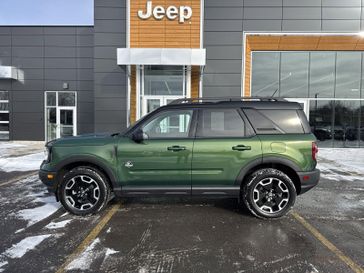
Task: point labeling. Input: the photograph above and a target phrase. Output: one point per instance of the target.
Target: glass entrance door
(66, 122)
(150, 103)
(61, 117)
(158, 85)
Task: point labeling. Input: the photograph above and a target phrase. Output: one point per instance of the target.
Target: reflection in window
(170, 124)
(348, 72)
(66, 99)
(265, 76)
(322, 74)
(307, 74)
(163, 80)
(220, 123)
(336, 123)
(294, 75)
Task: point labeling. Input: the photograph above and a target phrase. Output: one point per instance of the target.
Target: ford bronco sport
(260, 150)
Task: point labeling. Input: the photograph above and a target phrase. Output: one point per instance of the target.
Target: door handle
(241, 148)
(176, 148)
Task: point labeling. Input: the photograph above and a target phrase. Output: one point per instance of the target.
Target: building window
(159, 85)
(60, 114)
(4, 115)
(329, 85)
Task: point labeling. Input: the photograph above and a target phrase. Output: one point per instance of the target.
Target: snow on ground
(21, 163)
(82, 262)
(338, 164)
(92, 252)
(30, 201)
(46, 202)
(57, 225)
(24, 156)
(6, 147)
(18, 250)
(37, 214)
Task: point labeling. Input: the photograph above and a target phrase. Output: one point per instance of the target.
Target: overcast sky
(46, 12)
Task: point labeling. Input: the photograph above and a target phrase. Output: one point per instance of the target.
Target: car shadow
(228, 204)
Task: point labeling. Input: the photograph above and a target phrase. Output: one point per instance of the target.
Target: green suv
(260, 150)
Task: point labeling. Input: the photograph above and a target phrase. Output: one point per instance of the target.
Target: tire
(269, 193)
(84, 190)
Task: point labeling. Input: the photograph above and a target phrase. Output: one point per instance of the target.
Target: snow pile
(6, 147)
(338, 164)
(349, 159)
(21, 163)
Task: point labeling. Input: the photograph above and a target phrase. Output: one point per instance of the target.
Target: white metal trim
(138, 88)
(161, 56)
(187, 74)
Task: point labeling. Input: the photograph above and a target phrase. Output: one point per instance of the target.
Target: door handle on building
(241, 148)
(176, 148)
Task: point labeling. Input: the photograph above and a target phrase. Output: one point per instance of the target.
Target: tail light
(314, 151)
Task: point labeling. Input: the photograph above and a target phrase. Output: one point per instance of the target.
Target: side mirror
(139, 136)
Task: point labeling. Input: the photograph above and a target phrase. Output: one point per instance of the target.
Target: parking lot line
(90, 237)
(348, 261)
(17, 179)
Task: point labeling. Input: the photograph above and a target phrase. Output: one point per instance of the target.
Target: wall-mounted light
(65, 85)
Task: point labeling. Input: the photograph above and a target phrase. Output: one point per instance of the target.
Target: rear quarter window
(275, 121)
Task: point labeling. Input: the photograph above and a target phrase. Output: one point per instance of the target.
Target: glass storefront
(159, 85)
(330, 83)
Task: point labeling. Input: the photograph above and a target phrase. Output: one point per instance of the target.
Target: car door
(161, 163)
(224, 144)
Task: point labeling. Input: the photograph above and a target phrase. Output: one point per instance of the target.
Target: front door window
(159, 85)
(170, 124)
(60, 114)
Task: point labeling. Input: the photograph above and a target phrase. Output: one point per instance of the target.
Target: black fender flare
(91, 160)
(265, 160)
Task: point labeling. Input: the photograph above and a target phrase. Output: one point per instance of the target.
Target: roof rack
(222, 99)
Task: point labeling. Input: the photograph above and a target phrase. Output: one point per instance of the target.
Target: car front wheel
(84, 190)
(269, 193)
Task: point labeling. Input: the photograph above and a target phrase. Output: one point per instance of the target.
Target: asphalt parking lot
(323, 233)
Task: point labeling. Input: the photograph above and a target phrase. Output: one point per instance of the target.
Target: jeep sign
(172, 12)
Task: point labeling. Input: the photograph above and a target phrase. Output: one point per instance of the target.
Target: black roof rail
(224, 99)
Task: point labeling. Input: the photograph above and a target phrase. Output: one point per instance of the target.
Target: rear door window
(220, 123)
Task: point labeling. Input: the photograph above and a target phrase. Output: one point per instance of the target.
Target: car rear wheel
(84, 190)
(269, 193)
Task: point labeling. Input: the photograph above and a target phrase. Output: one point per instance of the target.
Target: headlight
(47, 154)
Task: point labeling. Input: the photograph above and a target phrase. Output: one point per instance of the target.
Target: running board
(129, 191)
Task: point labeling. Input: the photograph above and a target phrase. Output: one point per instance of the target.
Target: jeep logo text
(183, 13)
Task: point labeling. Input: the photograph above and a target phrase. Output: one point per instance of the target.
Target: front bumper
(308, 180)
(45, 177)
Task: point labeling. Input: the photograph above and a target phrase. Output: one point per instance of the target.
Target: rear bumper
(51, 184)
(308, 180)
